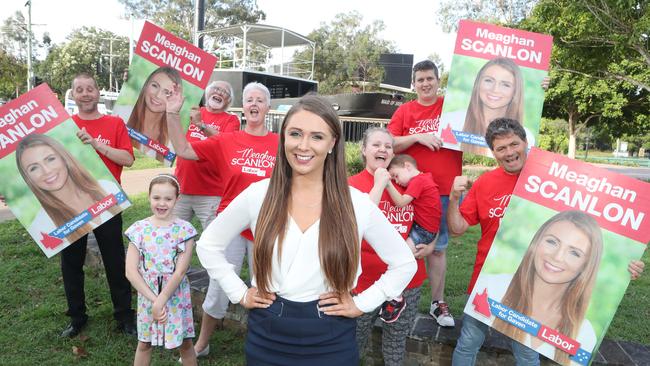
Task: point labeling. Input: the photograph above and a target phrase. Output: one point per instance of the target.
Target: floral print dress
(159, 248)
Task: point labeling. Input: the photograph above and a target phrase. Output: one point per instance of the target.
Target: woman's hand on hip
(254, 299)
(333, 304)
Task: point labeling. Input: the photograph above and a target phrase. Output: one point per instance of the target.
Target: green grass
(143, 162)
(32, 311)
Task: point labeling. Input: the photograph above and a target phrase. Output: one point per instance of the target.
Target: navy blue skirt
(297, 333)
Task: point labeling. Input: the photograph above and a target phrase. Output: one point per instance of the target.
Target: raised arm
(382, 179)
(182, 148)
(456, 222)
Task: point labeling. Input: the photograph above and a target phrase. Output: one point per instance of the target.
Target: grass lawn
(32, 306)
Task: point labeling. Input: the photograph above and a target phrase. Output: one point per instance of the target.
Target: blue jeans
(443, 234)
(471, 339)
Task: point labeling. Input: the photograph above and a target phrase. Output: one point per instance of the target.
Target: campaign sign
(57, 187)
(553, 281)
(495, 72)
(161, 62)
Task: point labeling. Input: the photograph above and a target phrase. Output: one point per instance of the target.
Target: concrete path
(133, 182)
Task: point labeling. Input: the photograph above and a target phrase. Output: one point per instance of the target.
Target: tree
(13, 79)
(614, 33)
(83, 52)
(506, 12)
(595, 82)
(346, 51)
(177, 16)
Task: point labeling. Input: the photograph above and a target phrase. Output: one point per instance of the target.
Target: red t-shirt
(426, 201)
(486, 203)
(402, 218)
(241, 159)
(111, 131)
(413, 118)
(202, 177)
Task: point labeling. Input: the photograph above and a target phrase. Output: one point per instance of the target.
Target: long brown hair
(136, 119)
(338, 241)
(59, 211)
(578, 293)
(474, 119)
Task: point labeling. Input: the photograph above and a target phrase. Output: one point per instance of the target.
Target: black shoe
(72, 330)
(391, 310)
(128, 328)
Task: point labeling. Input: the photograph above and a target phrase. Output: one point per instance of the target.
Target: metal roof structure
(267, 36)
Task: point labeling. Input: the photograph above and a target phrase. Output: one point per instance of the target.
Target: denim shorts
(420, 235)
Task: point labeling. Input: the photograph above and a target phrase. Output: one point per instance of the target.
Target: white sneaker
(440, 312)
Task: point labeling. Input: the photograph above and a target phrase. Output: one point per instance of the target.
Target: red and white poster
(553, 280)
(495, 72)
(56, 186)
(161, 63)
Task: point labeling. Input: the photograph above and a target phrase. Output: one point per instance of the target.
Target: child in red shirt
(422, 192)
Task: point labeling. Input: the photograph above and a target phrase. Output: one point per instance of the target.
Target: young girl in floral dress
(159, 254)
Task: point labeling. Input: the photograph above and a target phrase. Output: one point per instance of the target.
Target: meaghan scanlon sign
(495, 72)
(160, 61)
(557, 269)
(57, 187)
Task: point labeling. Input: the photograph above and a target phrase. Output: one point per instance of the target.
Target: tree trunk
(573, 120)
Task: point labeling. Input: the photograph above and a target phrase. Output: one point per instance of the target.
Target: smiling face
(85, 94)
(162, 199)
(496, 88)
(510, 152)
(561, 253)
(307, 141)
(44, 167)
(218, 97)
(255, 107)
(157, 90)
(425, 83)
(378, 151)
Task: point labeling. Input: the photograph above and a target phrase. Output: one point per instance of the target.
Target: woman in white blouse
(308, 225)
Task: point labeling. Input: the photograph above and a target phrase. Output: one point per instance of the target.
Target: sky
(410, 24)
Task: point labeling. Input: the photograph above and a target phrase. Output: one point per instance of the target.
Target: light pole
(30, 73)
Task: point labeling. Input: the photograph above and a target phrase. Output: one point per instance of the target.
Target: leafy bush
(553, 136)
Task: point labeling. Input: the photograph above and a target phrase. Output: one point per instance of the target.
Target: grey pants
(393, 338)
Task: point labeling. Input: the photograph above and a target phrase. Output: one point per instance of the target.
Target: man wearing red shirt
(109, 137)
(485, 204)
(413, 125)
(201, 184)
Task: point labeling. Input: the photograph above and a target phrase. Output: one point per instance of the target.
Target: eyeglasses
(221, 91)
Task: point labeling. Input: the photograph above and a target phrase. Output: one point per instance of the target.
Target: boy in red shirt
(422, 192)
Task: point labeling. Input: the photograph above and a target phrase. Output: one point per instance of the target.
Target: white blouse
(297, 275)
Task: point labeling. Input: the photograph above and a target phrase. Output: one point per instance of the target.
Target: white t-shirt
(297, 275)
